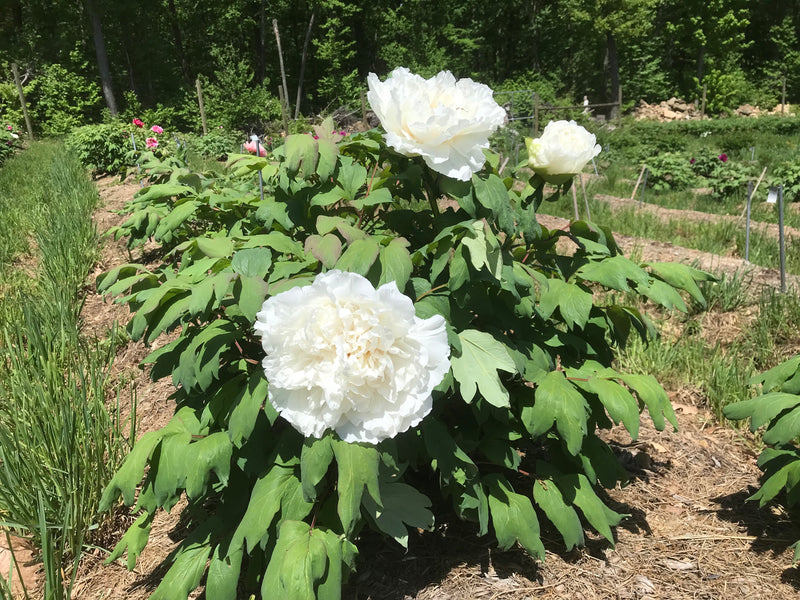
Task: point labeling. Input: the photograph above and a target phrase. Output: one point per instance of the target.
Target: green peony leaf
(315, 458)
(513, 517)
(306, 564)
(402, 506)
(223, 573)
(359, 256)
(277, 491)
(134, 540)
(189, 564)
(549, 498)
(476, 367)
(396, 263)
(326, 248)
(574, 303)
(556, 401)
(584, 497)
(617, 400)
(301, 151)
(358, 468)
(252, 262)
(654, 397)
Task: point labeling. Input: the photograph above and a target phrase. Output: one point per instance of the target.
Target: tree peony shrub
(338, 410)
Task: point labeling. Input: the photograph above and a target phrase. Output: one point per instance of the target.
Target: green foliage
(777, 409)
(531, 354)
(10, 141)
(217, 143)
(787, 175)
(63, 99)
(669, 171)
(233, 100)
(101, 148)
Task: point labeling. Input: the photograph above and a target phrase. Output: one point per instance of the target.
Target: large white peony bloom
(345, 356)
(563, 150)
(446, 122)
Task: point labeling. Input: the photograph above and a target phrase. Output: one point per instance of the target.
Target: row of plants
(59, 441)
(340, 361)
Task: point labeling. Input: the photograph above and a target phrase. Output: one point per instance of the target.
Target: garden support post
(575, 200)
(781, 244)
(747, 222)
(364, 108)
(21, 94)
(284, 108)
(283, 71)
(260, 173)
(201, 105)
(644, 187)
(585, 199)
(638, 181)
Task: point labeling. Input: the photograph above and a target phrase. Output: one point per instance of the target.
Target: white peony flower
(345, 356)
(563, 150)
(446, 122)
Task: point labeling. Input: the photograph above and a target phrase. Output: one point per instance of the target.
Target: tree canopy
(80, 57)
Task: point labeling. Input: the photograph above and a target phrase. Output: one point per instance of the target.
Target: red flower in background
(138, 122)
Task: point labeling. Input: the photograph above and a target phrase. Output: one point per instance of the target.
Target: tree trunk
(261, 45)
(102, 57)
(176, 35)
(613, 71)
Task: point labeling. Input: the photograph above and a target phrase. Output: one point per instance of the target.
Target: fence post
(284, 109)
(202, 106)
(21, 94)
(619, 102)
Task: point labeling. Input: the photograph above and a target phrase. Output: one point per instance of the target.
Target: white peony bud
(563, 149)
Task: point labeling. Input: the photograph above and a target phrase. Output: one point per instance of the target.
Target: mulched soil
(691, 534)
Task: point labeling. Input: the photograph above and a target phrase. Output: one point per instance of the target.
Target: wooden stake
(202, 106)
(364, 109)
(22, 102)
(303, 68)
(638, 181)
(283, 71)
(284, 109)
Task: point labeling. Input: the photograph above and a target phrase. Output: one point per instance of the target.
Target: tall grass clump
(59, 442)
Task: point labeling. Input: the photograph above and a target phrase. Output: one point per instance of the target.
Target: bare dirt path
(691, 535)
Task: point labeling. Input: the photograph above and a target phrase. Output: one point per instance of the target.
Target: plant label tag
(772, 195)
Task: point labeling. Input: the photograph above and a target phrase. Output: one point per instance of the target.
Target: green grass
(59, 442)
(723, 238)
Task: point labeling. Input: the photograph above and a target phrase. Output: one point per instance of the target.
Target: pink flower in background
(152, 142)
(251, 148)
(157, 129)
(691, 162)
(723, 157)
(9, 127)
(138, 122)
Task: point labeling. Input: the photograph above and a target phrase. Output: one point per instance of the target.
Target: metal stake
(781, 240)
(254, 138)
(747, 222)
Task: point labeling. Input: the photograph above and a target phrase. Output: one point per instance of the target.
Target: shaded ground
(690, 535)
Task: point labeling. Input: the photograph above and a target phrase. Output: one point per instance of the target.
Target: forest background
(83, 61)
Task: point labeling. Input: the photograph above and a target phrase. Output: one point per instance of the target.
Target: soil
(690, 534)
